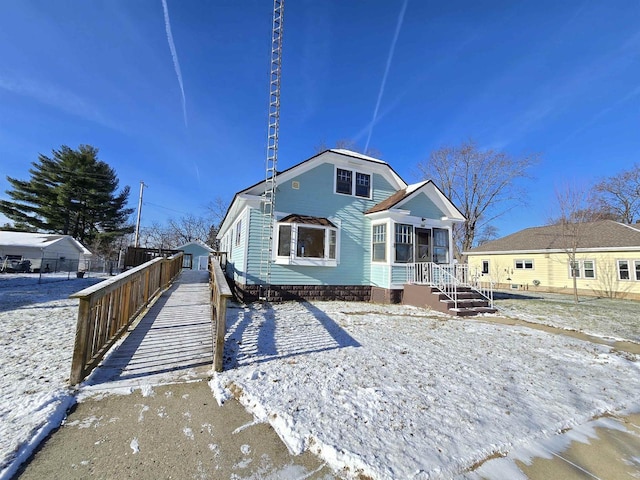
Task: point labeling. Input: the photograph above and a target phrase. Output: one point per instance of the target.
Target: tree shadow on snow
(259, 335)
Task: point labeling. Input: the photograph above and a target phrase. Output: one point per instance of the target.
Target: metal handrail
(447, 278)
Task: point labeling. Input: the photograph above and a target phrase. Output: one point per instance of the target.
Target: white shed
(44, 251)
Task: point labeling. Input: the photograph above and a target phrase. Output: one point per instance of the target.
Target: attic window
(349, 182)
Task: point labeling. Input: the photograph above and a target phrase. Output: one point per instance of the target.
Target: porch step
(470, 302)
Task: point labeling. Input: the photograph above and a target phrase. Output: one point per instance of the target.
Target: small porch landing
(469, 301)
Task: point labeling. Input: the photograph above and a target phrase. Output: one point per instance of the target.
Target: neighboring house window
(238, 232)
(589, 268)
(485, 267)
(312, 245)
(623, 269)
(440, 245)
(574, 269)
(343, 181)
(637, 265)
(379, 240)
(404, 243)
(349, 182)
(524, 264)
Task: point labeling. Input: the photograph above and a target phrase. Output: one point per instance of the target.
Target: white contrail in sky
(174, 55)
(386, 70)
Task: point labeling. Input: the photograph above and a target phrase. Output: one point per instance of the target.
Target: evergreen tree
(70, 193)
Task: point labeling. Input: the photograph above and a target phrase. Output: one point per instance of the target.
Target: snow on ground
(601, 317)
(400, 392)
(37, 328)
(391, 391)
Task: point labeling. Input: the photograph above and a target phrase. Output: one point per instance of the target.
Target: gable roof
(429, 189)
(37, 240)
(338, 156)
(199, 243)
(601, 235)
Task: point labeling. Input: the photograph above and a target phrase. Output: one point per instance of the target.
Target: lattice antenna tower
(269, 196)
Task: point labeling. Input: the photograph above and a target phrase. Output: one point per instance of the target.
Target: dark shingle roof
(308, 220)
(591, 235)
(390, 202)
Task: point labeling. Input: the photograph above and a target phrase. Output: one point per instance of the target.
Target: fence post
(81, 343)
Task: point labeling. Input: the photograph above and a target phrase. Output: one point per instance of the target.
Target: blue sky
(558, 78)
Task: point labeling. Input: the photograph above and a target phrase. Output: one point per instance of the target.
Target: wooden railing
(108, 308)
(220, 293)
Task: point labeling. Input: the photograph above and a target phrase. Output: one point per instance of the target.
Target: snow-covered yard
(388, 391)
(400, 392)
(37, 328)
(600, 317)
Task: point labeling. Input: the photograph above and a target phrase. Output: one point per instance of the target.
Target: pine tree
(70, 193)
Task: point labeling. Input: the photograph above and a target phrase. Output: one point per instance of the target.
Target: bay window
(306, 241)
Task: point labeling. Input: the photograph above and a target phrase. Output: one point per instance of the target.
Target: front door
(423, 245)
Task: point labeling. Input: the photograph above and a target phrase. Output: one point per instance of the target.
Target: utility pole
(137, 239)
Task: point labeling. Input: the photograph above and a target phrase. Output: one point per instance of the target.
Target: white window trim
(524, 264)
(635, 262)
(386, 242)
(292, 259)
(238, 233)
(354, 174)
(482, 262)
(628, 270)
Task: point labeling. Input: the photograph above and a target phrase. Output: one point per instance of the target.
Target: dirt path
(629, 347)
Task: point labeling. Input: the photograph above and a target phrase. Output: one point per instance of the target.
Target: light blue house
(196, 255)
(346, 226)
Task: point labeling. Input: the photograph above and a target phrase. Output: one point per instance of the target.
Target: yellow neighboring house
(606, 262)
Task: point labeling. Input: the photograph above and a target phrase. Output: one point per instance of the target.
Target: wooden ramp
(172, 343)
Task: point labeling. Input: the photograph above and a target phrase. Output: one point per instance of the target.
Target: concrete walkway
(168, 423)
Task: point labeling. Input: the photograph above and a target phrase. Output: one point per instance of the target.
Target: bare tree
(620, 195)
(487, 233)
(481, 183)
(574, 213)
(216, 211)
(189, 228)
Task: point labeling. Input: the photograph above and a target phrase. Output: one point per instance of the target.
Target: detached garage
(33, 252)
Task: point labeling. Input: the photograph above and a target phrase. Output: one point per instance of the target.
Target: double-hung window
(238, 232)
(582, 269)
(312, 244)
(524, 264)
(637, 269)
(623, 270)
(349, 182)
(440, 245)
(379, 242)
(589, 268)
(343, 181)
(404, 243)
